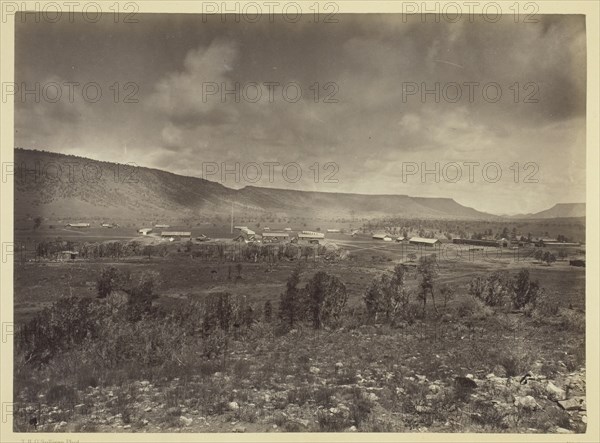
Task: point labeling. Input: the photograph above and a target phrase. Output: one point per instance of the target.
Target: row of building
(87, 225)
(248, 235)
(497, 243)
(413, 240)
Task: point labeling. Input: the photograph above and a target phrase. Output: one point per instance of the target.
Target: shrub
(110, 279)
(427, 271)
(523, 290)
(497, 286)
(473, 308)
(387, 298)
(327, 297)
(360, 408)
(66, 323)
(331, 421)
(268, 312)
(292, 306)
(447, 292)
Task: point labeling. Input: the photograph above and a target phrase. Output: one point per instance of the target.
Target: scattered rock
(352, 429)
(239, 429)
(434, 388)
(60, 425)
(127, 427)
(233, 406)
(302, 422)
(186, 421)
(314, 370)
(563, 431)
(145, 383)
(526, 402)
(148, 409)
(372, 397)
(145, 422)
(555, 393)
(573, 404)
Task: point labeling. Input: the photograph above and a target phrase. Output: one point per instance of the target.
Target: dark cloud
(372, 128)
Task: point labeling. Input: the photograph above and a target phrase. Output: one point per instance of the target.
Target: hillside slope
(58, 185)
(562, 210)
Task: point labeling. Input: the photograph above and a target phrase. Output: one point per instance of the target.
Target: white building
(424, 241)
(176, 235)
(274, 236)
(382, 236)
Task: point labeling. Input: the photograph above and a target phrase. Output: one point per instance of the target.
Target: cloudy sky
(369, 117)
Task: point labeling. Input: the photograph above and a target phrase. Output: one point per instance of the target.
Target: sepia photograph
(283, 217)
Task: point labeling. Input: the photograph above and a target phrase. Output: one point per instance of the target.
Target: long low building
(424, 241)
(561, 244)
(311, 235)
(247, 231)
(78, 225)
(476, 242)
(176, 234)
(382, 236)
(274, 236)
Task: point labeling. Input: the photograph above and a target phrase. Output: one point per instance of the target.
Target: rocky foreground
(326, 398)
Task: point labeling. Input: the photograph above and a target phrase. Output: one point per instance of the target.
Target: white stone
(555, 393)
(527, 402)
(563, 431)
(185, 421)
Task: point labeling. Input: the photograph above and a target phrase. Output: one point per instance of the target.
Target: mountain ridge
(108, 189)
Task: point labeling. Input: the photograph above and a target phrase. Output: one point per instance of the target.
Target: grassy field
(357, 377)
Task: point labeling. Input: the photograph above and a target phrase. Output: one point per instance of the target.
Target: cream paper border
(589, 8)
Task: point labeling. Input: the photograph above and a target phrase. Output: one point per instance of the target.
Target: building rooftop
(424, 240)
(176, 234)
